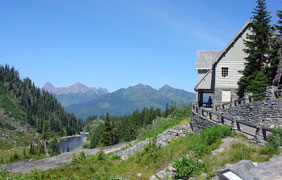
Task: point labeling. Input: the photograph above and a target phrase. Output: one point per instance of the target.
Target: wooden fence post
(232, 126)
(221, 118)
(238, 126)
(257, 134)
(264, 134)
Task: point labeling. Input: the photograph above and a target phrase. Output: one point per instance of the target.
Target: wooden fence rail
(234, 125)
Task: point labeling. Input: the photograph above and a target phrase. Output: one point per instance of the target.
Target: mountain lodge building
(218, 71)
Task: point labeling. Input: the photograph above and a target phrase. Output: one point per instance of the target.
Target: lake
(72, 142)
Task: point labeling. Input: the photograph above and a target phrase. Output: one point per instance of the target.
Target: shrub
(151, 153)
(36, 174)
(101, 156)
(188, 167)
(14, 157)
(240, 151)
(210, 135)
(81, 155)
(274, 141)
(115, 157)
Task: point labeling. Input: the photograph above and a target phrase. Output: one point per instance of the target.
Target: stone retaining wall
(198, 122)
(266, 113)
(162, 139)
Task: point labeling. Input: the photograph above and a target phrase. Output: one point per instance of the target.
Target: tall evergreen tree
(258, 49)
(276, 66)
(107, 137)
(279, 25)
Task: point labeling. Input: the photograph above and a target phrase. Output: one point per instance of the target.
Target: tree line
(41, 108)
(107, 130)
(262, 52)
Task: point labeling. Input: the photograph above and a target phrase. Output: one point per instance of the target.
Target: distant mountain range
(84, 101)
(74, 94)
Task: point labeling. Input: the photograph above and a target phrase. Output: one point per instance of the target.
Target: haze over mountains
(74, 94)
(84, 101)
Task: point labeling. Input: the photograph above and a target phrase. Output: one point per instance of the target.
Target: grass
(153, 159)
(148, 162)
(11, 108)
(5, 155)
(159, 125)
(237, 153)
(16, 140)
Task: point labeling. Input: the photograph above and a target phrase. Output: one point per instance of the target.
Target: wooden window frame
(224, 72)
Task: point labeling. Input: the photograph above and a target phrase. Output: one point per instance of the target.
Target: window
(224, 72)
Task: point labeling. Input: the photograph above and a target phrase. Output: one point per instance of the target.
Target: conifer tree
(258, 49)
(277, 50)
(279, 25)
(107, 137)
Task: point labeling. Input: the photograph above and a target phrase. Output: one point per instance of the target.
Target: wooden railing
(243, 127)
(241, 101)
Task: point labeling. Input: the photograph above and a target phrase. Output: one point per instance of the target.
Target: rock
(153, 178)
(214, 178)
(162, 139)
(193, 178)
(171, 168)
(242, 166)
(161, 175)
(204, 175)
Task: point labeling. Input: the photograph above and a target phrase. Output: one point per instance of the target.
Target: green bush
(211, 135)
(151, 153)
(101, 156)
(78, 158)
(7, 126)
(14, 157)
(274, 141)
(158, 125)
(187, 167)
(204, 143)
(115, 157)
(241, 151)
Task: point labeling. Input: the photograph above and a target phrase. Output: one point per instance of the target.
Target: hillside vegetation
(33, 106)
(28, 116)
(125, 101)
(190, 156)
(108, 130)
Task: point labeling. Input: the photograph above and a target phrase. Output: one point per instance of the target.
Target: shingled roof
(205, 59)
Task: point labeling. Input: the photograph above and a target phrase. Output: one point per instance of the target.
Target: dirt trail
(59, 160)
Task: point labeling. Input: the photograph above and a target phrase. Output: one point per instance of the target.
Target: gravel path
(229, 141)
(59, 160)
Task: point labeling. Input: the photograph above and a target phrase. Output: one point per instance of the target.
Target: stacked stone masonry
(267, 113)
(162, 139)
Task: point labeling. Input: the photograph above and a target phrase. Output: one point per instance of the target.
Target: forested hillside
(108, 130)
(34, 106)
(125, 101)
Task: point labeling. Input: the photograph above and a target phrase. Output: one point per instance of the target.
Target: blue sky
(117, 43)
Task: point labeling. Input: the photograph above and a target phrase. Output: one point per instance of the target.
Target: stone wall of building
(266, 113)
(198, 122)
(217, 98)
